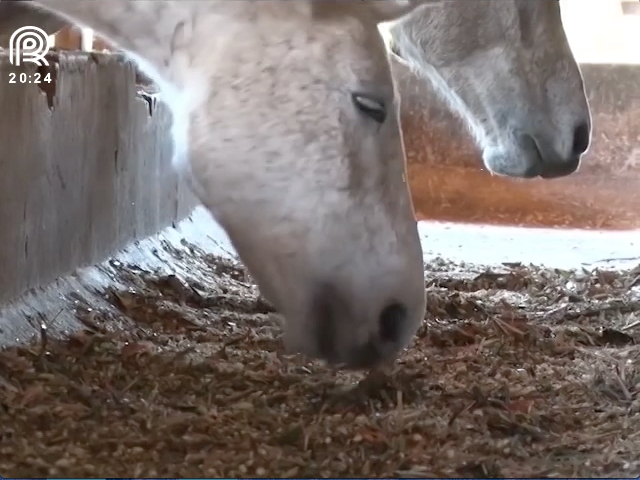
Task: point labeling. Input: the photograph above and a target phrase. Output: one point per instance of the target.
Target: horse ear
(389, 10)
(395, 51)
(389, 41)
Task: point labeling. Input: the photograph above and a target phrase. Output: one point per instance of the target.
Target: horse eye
(371, 107)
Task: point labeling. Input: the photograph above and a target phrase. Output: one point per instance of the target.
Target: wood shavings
(512, 374)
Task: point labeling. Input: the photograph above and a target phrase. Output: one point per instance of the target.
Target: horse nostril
(581, 139)
(392, 318)
(325, 307)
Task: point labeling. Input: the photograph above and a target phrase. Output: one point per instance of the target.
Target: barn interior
(134, 343)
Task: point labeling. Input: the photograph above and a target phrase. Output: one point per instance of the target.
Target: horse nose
(547, 161)
(581, 139)
(337, 343)
(557, 153)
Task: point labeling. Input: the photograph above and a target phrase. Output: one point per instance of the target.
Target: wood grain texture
(82, 174)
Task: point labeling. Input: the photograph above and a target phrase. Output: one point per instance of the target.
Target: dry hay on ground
(518, 372)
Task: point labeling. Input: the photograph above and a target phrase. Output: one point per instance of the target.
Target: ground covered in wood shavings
(517, 372)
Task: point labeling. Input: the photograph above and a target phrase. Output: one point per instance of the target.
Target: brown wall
(448, 180)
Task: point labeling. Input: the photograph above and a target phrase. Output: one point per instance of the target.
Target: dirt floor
(518, 372)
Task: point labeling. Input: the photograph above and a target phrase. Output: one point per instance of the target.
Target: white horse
(505, 66)
(285, 124)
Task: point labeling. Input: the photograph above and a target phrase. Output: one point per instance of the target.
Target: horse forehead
(468, 27)
(520, 23)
